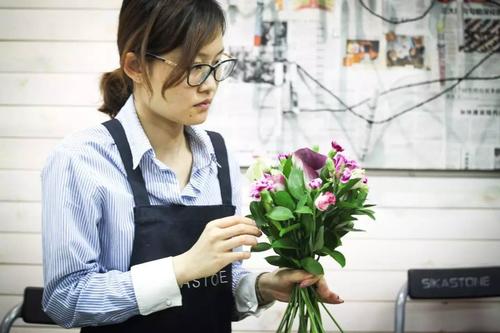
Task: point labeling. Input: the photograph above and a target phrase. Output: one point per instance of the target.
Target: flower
(351, 164)
(338, 148)
(324, 200)
(283, 156)
(310, 162)
(360, 174)
(339, 161)
(346, 175)
(270, 182)
(315, 183)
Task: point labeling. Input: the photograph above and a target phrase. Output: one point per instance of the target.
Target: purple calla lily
(310, 162)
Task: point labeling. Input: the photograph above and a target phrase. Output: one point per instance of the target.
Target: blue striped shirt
(88, 225)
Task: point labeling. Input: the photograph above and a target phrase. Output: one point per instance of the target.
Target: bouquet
(305, 204)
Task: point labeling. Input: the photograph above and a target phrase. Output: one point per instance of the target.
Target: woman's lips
(203, 106)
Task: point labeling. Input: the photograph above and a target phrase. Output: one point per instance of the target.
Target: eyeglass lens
(199, 73)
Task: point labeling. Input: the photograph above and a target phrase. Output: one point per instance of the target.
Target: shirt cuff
(155, 286)
(246, 298)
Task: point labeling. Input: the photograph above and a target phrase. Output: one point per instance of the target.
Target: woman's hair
(158, 27)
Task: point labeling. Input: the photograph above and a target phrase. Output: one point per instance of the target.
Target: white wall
(52, 52)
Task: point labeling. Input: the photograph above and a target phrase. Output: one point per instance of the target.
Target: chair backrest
(454, 283)
(31, 310)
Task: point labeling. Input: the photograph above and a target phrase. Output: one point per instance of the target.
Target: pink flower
(339, 160)
(315, 183)
(278, 182)
(270, 183)
(346, 175)
(338, 148)
(351, 164)
(283, 156)
(324, 201)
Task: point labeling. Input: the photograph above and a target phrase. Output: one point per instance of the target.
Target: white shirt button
(168, 302)
(249, 304)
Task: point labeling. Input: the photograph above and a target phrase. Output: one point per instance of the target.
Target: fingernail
(306, 283)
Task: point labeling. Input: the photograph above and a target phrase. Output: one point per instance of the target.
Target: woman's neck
(167, 138)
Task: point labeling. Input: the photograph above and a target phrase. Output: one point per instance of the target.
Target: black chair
(446, 284)
(30, 310)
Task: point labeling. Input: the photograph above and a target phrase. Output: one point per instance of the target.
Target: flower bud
(329, 164)
(324, 201)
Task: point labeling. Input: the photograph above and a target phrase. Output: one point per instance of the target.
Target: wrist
(180, 269)
(263, 288)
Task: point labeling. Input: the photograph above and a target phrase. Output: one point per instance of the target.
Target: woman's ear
(132, 67)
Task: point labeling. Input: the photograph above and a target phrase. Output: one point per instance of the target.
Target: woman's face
(181, 103)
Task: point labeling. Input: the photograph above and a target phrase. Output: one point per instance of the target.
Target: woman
(141, 214)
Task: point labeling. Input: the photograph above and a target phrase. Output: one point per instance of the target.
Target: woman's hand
(214, 248)
(277, 285)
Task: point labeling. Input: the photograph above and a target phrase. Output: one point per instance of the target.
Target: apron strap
(223, 170)
(134, 177)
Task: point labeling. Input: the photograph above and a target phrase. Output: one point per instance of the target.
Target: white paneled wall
(52, 53)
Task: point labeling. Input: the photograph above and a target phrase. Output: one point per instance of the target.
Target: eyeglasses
(199, 73)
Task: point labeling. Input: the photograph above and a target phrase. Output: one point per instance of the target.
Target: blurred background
(409, 88)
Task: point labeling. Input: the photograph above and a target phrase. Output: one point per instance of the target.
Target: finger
(239, 229)
(326, 294)
(239, 241)
(237, 256)
(295, 275)
(309, 282)
(233, 220)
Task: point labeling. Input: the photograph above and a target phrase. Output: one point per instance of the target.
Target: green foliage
(260, 247)
(279, 213)
(312, 266)
(295, 183)
(282, 198)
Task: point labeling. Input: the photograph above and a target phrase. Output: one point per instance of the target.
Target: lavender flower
(315, 183)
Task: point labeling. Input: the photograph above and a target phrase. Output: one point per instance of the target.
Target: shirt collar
(201, 145)
(137, 139)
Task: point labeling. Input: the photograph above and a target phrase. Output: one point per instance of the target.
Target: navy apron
(169, 230)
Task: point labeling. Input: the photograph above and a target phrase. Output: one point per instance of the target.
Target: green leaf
(312, 266)
(285, 243)
(302, 202)
(320, 239)
(307, 222)
(287, 167)
(288, 229)
(345, 204)
(258, 213)
(331, 240)
(282, 198)
(280, 262)
(260, 247)
(346, 187)
(296, 183)
(280, 213)
(336, 255)
(304, 210)
(352, 229)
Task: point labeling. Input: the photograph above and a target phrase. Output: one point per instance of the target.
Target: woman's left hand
(278, 285)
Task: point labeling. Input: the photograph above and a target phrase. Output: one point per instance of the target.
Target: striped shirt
(88, 225)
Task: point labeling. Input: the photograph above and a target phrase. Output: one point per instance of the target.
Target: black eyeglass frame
(212, 68)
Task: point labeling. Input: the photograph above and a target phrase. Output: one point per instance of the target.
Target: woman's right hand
(214, 248)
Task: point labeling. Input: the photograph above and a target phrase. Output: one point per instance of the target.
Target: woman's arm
(78, 290)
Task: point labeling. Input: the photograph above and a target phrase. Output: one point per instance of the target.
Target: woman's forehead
(212, 49)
